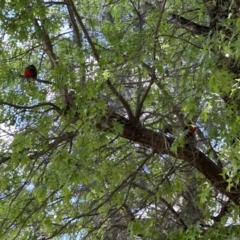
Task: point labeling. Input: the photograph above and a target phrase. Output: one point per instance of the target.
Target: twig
(33, 106)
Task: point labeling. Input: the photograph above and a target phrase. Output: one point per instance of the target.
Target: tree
(83, 150)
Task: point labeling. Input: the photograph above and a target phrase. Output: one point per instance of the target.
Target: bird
(30, 71)
(190, 137)
(191, 130)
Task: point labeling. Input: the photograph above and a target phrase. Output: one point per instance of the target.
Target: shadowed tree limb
(191, 27)
(46, 43)
(55, 107)
(80, 22)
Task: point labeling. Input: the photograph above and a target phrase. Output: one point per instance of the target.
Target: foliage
(83, 153)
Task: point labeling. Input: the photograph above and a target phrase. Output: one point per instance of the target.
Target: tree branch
(47, 43)
(97, 57)
(54, 61)
(77, 36)
(161, 144)
(80, 22)
(125, 104)
(68, 136)
(36, 80)
(33, 106)
(151, 72)
(191, 27)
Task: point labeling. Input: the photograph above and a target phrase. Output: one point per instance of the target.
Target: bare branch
(36, 79)
(51, 3)
(55, 107)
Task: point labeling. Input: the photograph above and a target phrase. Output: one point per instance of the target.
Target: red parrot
(191, 130)
(30, 72)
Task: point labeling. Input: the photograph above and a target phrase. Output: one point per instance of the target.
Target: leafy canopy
(84, 153)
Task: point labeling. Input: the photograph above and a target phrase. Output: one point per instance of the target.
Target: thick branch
(191, 27)
(77, 35)
(47, 43)
(161, 144)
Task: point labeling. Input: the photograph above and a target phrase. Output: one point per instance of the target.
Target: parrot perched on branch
(30, 71)
(190, 137)
(191, 130)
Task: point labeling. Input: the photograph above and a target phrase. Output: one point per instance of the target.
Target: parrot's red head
(192, 128)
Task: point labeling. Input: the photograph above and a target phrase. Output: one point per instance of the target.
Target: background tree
(84, 153)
